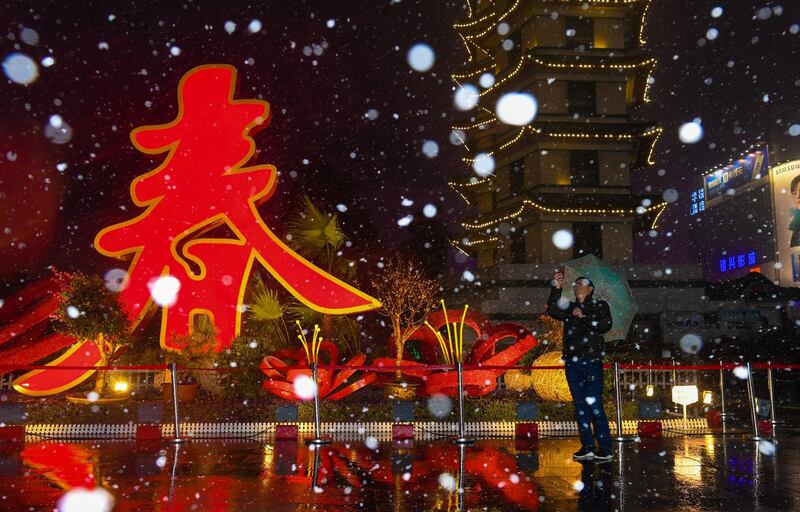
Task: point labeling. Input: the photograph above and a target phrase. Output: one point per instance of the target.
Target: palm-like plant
(315, 234)
(266, 308)
(319, 237)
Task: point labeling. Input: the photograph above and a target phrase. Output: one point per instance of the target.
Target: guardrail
(742, 370)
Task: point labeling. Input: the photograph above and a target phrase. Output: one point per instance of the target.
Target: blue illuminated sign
(738, 261)
(736, 174)
(698, 202)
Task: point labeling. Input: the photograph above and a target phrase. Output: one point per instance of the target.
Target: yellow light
(647, 62)
(654, 225)
(469, 52)
(649, 390)
(642, 22)
(472, 243)
(474, 22)
(506, 78)
(527, 203)
(708, 397)
(657, 132)
(473, 126)
(120, 386)
(470, 74)
(471, 183)
(494, 24)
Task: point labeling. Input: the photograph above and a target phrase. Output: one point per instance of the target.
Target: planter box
(714, 418)
(148, 432)
(186, 392)
(527, 431)
(651, 429)
(403, 431)
(286, 432)
(12, 434)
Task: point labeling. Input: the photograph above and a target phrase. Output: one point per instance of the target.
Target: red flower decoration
(281, 370)
(477, 381)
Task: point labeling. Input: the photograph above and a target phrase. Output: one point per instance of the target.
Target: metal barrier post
(722, 413)
(174, 473)
(318, 440)
(461, 439)
(173, 371)
(618, 399)
(460, 492)
(771, 395)
(752, 399)
(674, 381)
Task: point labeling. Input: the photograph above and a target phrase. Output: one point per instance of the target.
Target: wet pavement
(677, 474)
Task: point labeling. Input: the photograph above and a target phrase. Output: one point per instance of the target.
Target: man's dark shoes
(584, 454)
(603, 456)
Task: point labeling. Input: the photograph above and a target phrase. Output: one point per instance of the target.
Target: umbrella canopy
(609, 285)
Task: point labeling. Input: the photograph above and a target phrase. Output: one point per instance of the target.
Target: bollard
(618, 400)
(771, 395)
(461, 439)
(173, 370)
(751, 397)
(318, 440)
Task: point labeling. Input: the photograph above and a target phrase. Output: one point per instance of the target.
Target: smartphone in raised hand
(558, 277)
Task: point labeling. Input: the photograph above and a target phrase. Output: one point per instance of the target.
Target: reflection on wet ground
(678, 474)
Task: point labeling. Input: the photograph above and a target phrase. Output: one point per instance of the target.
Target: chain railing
(624, 374)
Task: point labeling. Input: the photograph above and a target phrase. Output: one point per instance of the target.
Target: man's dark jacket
(583, 337)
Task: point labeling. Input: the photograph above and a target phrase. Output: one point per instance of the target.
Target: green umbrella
(609, 285)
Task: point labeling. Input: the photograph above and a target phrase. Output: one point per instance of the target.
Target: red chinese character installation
(205, 181)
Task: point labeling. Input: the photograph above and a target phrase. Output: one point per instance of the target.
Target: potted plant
(407, 298)
(197, 352)
(89, 310)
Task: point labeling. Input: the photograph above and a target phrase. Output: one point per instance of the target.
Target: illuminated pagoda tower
(571, 168)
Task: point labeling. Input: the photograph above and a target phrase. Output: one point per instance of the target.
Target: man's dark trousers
(585, 379)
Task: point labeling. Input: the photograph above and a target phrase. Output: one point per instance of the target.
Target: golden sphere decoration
(550, 385)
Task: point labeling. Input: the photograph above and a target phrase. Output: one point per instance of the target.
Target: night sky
(327, 69)
(732, 83)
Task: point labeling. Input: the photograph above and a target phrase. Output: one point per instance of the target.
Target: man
(585, 322)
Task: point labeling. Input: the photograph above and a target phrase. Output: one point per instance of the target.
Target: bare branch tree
(407, 298)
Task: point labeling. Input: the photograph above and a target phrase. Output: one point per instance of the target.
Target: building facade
(570, 170)
(731, 218)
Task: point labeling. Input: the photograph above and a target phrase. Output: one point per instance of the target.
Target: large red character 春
(203, 183)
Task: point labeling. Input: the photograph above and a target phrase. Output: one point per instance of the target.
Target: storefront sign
(785, 181)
